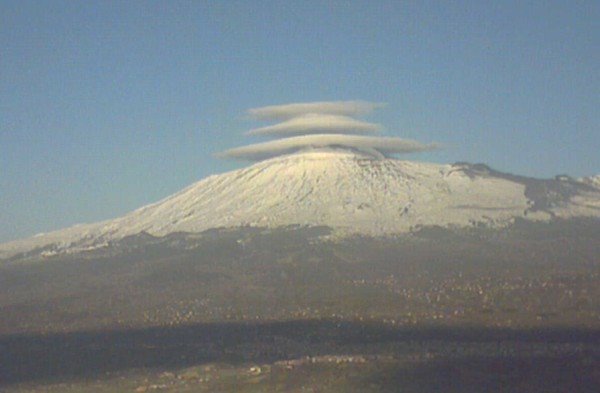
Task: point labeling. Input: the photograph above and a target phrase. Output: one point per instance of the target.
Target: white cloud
(288, 111)
(374, 146)
(317, 123)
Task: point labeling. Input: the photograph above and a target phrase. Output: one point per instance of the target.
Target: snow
(347, 191)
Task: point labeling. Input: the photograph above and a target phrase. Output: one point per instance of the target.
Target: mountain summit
(347, 182)
(348, 191)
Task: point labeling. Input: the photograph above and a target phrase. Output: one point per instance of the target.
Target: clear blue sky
(107, 106)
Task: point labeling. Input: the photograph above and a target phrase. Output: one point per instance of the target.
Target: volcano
(348, 191)
(328, 259)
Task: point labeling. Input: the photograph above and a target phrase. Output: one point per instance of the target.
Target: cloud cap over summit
(288, 111)
(373, 146)
(317, 123)
(321, 125)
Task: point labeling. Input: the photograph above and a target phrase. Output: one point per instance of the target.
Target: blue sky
(107, 106)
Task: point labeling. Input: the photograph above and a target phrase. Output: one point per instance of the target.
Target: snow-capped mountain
(345, 190)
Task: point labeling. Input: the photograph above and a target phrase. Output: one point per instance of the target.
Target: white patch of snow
(346, 191)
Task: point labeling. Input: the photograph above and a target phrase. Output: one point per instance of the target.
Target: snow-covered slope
(349, 192)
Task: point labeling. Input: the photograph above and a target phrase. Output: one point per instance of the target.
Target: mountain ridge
(346, 190)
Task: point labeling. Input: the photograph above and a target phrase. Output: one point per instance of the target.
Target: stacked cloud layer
(373, 146)
(318, 125)
(288, 111)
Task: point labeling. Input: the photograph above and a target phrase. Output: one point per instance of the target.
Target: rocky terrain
(327, 270)
(297, 309)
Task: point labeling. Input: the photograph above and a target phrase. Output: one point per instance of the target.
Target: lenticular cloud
(321, 125)
(373, 146)
(315, 123)
(288, 111)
